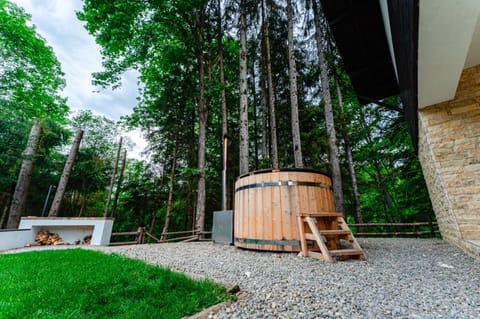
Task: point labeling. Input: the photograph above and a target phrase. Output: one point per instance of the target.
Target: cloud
(79, 55)
(139, 146)
(56, 21)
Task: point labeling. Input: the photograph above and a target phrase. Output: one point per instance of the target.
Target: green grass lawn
(78, 283)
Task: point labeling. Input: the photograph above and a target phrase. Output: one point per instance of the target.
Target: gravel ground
(402, 278)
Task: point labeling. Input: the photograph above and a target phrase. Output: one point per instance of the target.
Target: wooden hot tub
(267, 203)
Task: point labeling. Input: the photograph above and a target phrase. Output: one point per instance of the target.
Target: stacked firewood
(87, 239)
(44, 237)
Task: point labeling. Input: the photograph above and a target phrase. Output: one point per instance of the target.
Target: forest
(264, 73)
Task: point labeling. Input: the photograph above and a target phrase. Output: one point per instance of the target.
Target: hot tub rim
(288, 169)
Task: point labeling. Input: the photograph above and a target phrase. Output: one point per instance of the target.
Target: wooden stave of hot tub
(267, 203)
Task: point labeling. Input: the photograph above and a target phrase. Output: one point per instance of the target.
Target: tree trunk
(19, 198)
(119, 183)
(332, 138)
(353, 176)
(388, 206)
(112, 180)
(254, 102)
(202, 130)
(292, 72)
(162, 180)
(4, 215)
(152, 225)
(170, 194)
(244, 143)
(387, 199)
(264, 103)
(62, 184)
(190, 209)
(351, 165)
(271, 92)
(82, 206)
(72, 202)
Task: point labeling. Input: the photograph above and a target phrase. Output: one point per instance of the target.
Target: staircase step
(322, 214)
(310, 236)
(325, 229)
(346, 252)
(333, 233)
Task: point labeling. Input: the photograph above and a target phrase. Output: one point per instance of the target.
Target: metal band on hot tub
(251, 241)
(283, 183)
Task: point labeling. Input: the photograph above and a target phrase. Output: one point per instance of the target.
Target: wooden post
(224, 172)
(62, 184)
(112, 181)
(141, 235)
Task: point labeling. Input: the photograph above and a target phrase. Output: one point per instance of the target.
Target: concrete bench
(72, 229)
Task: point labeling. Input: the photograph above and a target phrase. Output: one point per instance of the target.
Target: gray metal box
(222, 231)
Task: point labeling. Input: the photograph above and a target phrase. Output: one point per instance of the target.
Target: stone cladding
(449, 150)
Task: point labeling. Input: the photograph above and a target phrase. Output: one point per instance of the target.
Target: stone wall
(449, 150)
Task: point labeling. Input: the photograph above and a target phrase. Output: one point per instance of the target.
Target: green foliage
(12, 143)
(93, 166)
(144, 193)
(88, 284)
(91, 172)
(390, 179)
(30, 83)
(30, 76)
(160, 40)
(100, 133)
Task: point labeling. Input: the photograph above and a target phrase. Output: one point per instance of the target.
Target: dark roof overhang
(360, 35)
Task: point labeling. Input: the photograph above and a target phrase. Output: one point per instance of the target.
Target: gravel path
(402, 278)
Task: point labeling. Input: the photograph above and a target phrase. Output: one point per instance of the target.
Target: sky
(79, 55)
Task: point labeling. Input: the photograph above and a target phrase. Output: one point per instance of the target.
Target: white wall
(11, 239)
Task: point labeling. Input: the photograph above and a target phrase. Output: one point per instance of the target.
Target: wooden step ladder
(323, 240)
